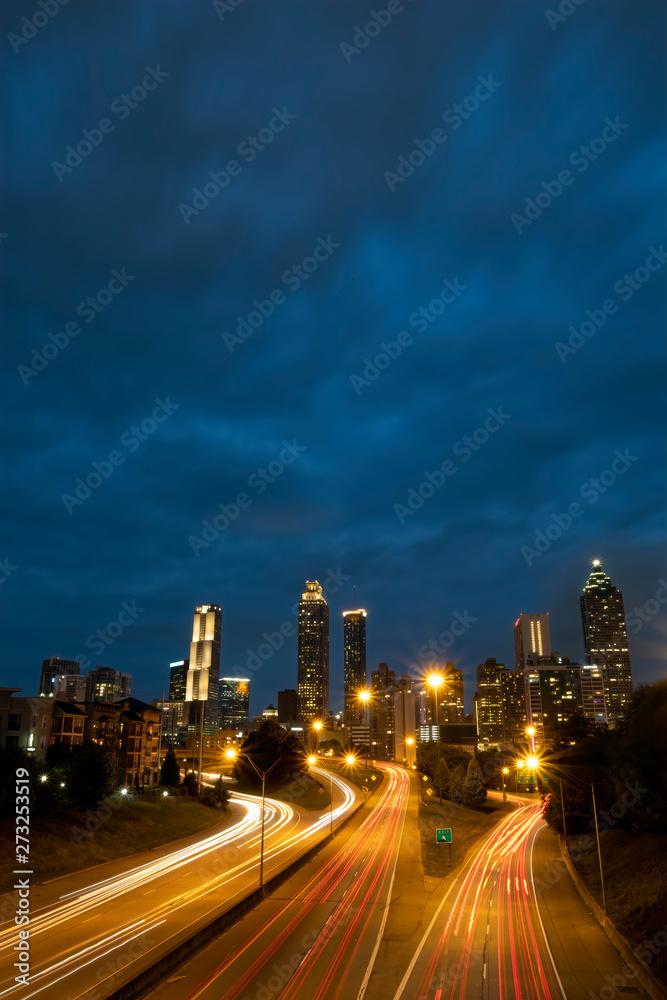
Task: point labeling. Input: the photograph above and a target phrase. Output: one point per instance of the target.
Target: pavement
(317, 936)
(95, 930)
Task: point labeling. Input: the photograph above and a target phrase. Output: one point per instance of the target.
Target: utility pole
(562, 804)
(597, 834)
(159, 739)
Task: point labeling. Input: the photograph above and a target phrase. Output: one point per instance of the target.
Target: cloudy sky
(170, 165)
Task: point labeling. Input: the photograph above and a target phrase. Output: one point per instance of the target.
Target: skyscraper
(354, 664)
(606, 639)
(234, 702)
(313, 654)
(204, 669)
(451, 707)
(107, 684)
(489, 701)
(515, 721)
(178, 678)
(532, 637)
(553, 695)
(51, 668)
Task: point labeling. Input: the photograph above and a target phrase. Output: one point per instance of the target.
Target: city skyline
(262, 693)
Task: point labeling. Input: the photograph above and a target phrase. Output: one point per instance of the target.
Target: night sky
(176, 330)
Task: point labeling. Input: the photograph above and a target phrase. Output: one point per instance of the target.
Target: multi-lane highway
(318, 935)
(497, 925)
(95, 930)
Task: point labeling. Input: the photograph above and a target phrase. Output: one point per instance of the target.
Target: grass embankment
(467, 825)
(60, 843)
(635, 882)
(357, 774)
(301, 791)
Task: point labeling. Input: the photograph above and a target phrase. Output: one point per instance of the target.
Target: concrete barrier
(640, 969)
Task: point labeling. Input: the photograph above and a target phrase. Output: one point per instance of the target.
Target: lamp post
(434, 681)
(506, 771)
(316, 727)
(409, 743)
(231, 755)
(531, 732)
(365, 697)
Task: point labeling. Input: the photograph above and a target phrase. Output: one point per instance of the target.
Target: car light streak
(242, 836)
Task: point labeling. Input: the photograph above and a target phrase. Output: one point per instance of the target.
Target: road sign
(443, 836)
(429, 791)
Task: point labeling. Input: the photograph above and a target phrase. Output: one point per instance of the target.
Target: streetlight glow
(435, 680)
(317, 726)
(350, 759)
(364, 696)
(530, 731)
(230, 754)
(43, 778)
(532, 762)
(312, 759)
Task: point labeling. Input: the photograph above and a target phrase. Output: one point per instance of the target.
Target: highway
(498, 927)
(95, 930)
(317, 936)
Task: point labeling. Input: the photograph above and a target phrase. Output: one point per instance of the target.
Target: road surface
(506, 924)
(92, 931)
(318, 935)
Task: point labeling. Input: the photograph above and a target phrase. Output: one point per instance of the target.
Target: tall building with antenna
(313, 654)
(606, 639)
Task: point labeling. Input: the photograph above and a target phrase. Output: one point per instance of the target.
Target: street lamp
(317, 726)
(365, 698)
(232, 755)
(531, 732)
(506, 771)
(347, 760)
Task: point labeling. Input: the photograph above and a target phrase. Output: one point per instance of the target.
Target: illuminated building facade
(354, 665)
(203, 677)
(234, 702)
(606, 639)
(178, 679)
(313, 654)
(52, 668)
(532, 637)
(592, 693)
(515, 721)
(108, 685)
(489, 701)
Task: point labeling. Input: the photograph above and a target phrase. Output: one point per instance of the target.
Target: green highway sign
(443, 836)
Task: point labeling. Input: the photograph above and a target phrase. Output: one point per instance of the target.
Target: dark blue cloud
(333, 508)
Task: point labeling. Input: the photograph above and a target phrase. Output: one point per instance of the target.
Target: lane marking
(539, 915)
(378, 941)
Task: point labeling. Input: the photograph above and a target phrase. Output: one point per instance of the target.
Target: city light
(409, 741)
(317, 726)
(530, 731)
(165, 794)
(350, 759)
(532, 762)
(435, 680)
(506, 770)
(230, 754)
(43, 778)
(312, 759)
(364, 696)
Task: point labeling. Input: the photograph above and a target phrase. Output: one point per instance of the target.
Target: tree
(267, 746)
(170, 773)
(190, 783)
(441, 778)
(90, 776)
(457, 785)
(474, 787)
